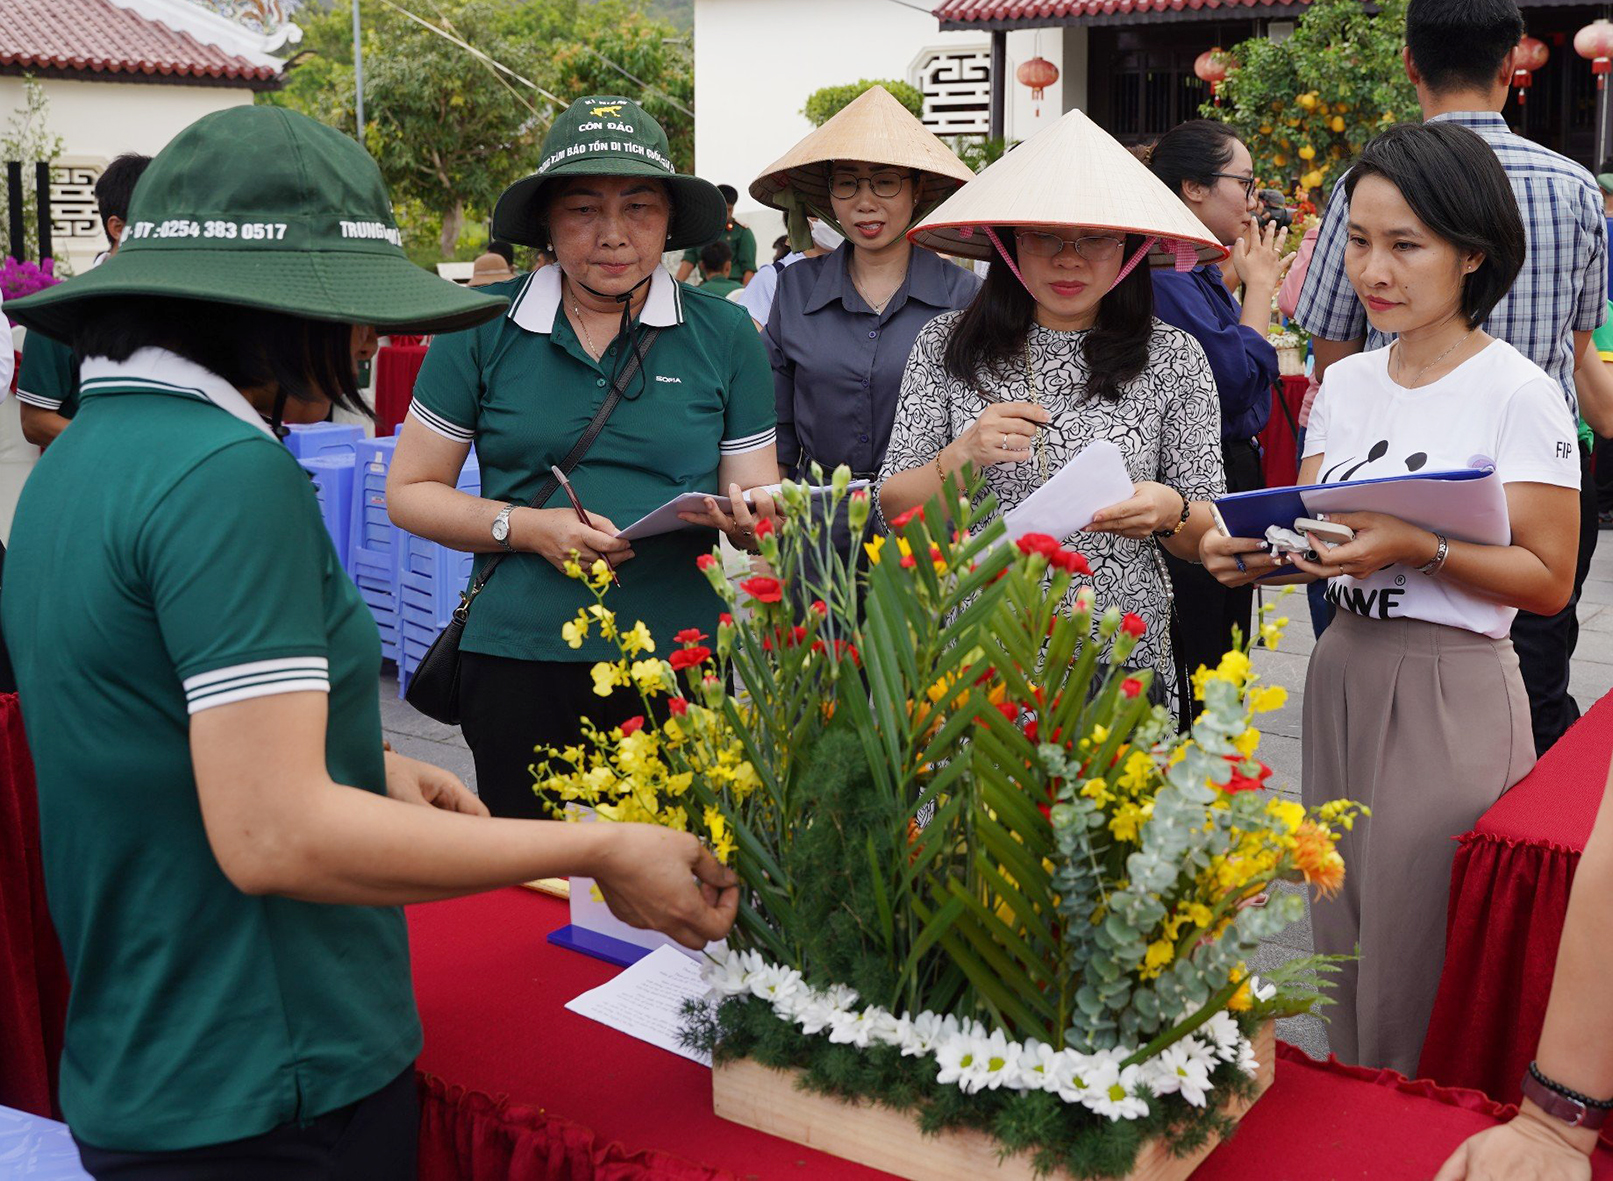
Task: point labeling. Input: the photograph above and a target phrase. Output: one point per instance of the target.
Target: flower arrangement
(1043, 897)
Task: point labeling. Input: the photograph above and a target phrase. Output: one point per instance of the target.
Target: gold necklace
(1412, 384)
(588, 337)
(1036, 400)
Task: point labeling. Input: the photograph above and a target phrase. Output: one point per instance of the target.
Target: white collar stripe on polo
(164, 372)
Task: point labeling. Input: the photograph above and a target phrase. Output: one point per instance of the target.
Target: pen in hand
(582, 516)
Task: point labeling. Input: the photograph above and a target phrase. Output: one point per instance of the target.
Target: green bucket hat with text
(265, 208)
(607, 135)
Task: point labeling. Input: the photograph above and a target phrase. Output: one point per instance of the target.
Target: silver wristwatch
(501, 527)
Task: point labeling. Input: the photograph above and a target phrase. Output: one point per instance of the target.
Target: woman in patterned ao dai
(1029, 374)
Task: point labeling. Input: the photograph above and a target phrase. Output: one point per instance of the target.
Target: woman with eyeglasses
(842, 325)
(1060, 349)
(1205, 164)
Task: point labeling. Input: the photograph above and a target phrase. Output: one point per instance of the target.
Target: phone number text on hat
(179, 227)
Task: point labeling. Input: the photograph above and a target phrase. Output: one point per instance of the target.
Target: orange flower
(1318, 859)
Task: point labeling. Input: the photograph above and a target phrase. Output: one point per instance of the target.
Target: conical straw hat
(874, 127)
(1072, 174)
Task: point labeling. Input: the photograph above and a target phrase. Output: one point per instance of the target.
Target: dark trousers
(1604, 474)
(1545, 643)
(375, 1139)
(1207, 611)
(508, 707)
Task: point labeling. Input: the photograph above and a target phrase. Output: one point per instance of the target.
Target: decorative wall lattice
(73, 213)
(956, 84)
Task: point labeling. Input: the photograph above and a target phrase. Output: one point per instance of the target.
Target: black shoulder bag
(434, 688)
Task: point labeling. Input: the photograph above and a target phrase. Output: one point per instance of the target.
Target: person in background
(781, 247)
(8, 354)
(715, 263)
(488, 268)
(696, 415)
(47, 384)
(842, 325)
(1059, 350)
(1414, 704)
(504, 250)
(1602, 451)
(737, 237)
(1205, 164)
(757, 298)
(1568, 1088)
(1459, 56)
(227, 843)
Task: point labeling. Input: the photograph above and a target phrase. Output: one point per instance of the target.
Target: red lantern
(1595, 41)
(1530, 56)
(1038, 74)
(1211, 66)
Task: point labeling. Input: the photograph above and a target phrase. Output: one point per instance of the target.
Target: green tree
(27, 137)
(1307, 107)
(823, 105)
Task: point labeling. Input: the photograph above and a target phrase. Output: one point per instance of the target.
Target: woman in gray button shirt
(842, 325)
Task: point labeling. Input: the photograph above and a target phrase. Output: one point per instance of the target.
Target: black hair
(503, 249)
(115, 188)
(1191, 151)
(1458, 189)
(1460, 44)
(247, 347)
(729, 193)
(714, 257)
(989, 338)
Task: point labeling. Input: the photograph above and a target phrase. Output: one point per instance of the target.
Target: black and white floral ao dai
(1166, 422)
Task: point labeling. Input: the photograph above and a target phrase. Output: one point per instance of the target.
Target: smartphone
(1329, 531)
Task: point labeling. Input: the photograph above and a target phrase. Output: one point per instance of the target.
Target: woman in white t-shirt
(1413, 702)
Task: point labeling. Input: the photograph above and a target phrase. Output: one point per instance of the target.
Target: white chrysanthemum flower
(855, 1028)
(1222, 1030)
(1261, 992)
(1073, 1074)
(819, 1010)
(775, 984)
(955, 1055)
(885, 1028)
(1176, 1070)
(1247, 1062)
(1116, 1093)
(998, 1061)
(1036, 1064)
(727, 972)
(925, 1034)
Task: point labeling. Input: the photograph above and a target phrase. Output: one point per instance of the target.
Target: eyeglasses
(1093, 248)
(1248, 183)
(887, 184)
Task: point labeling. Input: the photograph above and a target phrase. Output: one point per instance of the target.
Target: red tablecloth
(396, 367)
(33, 979)
(1509, 896)
(1279, 442)
(516, 1087)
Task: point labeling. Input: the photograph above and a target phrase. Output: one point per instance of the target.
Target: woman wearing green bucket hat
(225, 839)
(695, 414)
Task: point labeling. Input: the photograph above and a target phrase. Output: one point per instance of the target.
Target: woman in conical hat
(1060, 349)
(226, 840)
(841, 326)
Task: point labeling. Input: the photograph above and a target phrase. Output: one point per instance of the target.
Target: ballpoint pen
(582, 516)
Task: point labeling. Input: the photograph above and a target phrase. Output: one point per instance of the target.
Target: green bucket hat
(607, 135)
(265, 208)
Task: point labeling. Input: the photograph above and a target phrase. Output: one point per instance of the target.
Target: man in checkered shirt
(1459, 56)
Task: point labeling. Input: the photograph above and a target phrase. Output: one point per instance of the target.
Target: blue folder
(1249, 514)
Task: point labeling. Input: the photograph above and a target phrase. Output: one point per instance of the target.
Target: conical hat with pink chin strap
(1071, 174)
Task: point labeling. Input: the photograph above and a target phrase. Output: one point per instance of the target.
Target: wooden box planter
(768, 1100)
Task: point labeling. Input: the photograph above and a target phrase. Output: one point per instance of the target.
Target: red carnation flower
(1071, 562)
(797, 634)
(1133, 624)
(690, 635)
(1131, 686)
(1240, 781)
(1009, 710)
(706, 561)
(909, 561)
(689, 657)
(1038, 543)
(1032, 729)
(632, 726)
(725, 619)
(764, 526)
(678, 706)
(902, 519)
(819, 607)
(844, 648)
(762, 589)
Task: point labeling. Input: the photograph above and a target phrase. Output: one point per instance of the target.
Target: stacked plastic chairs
(428, 578)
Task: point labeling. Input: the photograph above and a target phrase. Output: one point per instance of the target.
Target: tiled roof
(961, 14)
(99, 37)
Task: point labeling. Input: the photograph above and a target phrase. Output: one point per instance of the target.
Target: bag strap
(573, 457)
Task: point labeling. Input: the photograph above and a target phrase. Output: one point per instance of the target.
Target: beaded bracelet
(1568, 1093)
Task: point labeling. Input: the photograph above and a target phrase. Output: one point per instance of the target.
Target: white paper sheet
(646, 1000)
(665, 519)
(1095, 479)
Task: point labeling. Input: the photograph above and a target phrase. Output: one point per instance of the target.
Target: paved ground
(413, 734)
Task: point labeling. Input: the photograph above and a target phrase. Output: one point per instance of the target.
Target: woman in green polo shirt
(697, 416)
(226, 841)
